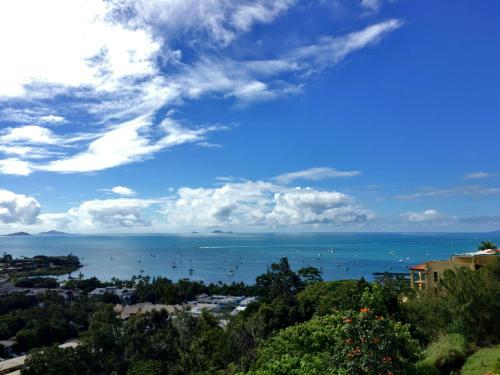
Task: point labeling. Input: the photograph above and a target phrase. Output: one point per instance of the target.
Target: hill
(19, 234)
(53, 232)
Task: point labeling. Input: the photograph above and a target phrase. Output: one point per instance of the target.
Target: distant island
(217, 231)
(53, 233)
(19, 234)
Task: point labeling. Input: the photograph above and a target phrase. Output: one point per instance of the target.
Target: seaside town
(21, 286)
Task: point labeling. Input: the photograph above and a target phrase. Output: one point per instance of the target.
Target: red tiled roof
(418, 267)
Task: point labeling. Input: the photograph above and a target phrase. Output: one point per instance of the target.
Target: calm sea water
(241, 257)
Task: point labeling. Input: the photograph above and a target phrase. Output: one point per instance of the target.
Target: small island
(19, 234)
(54, 233)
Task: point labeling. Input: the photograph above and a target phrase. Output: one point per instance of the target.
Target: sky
(128, 116)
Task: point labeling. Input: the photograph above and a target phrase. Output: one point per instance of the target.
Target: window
(436, 278)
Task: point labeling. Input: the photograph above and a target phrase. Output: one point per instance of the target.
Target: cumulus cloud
(18, 208)
(258, 203)
(98, 214)
(424, 216)
(314, 174)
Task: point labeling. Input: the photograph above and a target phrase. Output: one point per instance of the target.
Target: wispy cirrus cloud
(479, 175)
(473, 191)
(315, 174)
(118, 70)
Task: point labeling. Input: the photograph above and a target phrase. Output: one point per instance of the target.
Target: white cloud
(424, 216)
(209, 21)
(242, 205)
(18, 208)
(122, 190)
(52, 119)
(124, 143)
(98, 214)
(477, 175)
(472, 191)
(112, 63)
(75, 44)
(314, 174)
(30, 134)
(257, 203)
(371, 5)
(15, 166)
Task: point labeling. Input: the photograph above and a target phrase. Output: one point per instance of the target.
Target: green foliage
(149, 367)
(485, 245)
(357, 343)
(472, 299)
(447, 353)
(14, 302)
(484, 360)
(85, 285)
(58, 361)
(280, 280)
(467, 303)
(310, 275)
(37, 282)
(323, 298)
(425, 368)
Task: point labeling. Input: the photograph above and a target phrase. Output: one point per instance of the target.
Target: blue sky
(285, 115)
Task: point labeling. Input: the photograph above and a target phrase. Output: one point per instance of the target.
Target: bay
(241, 257)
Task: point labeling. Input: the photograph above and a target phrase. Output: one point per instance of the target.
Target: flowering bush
(342, 343)
(368, 343)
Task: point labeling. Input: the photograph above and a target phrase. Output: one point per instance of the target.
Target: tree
(59, 361)
(323, 298)
(486, 245)
(280, 280)
(310, 275)
(472, 299)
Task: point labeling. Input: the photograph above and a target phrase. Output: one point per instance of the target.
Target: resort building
(427, 275)
(127, 311)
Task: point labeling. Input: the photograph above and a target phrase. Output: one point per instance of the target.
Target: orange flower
(387, 359)
(347, 320)
(378, 317)
(364, 310)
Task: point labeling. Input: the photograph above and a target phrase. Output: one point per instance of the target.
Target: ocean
(241, 257)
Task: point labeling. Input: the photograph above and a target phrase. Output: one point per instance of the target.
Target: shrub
(447, 353)
(350, 342)
(425, 368)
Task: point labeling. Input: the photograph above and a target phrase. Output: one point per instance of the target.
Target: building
(427, 275)
(219, 304)
(127, 311)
